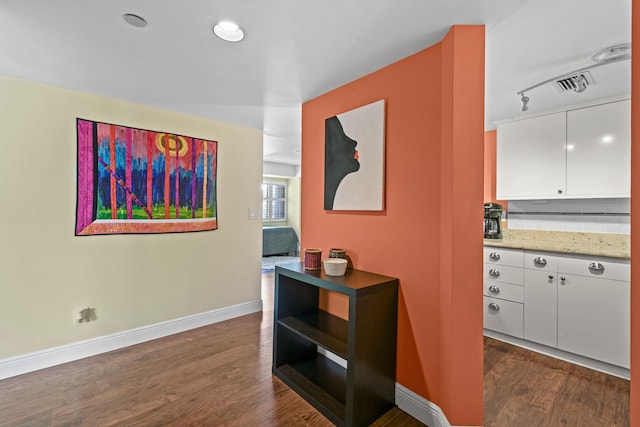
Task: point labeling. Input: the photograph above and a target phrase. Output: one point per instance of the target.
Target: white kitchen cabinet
(530, 159)
(593, 310)
(506, 291)
(541, 307)
(503, 256)
(503, 316)
(574, 303)
(598, 150)
(580, 153)
(593, 318)
(503, 290)
(503, 273)
(541, 296)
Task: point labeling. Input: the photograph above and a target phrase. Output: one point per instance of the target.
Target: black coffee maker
(492, 221)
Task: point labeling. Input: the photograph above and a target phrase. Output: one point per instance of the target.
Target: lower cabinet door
(503, 316)
(594, 318)
(541, 307)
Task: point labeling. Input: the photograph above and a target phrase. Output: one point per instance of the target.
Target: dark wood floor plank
(524, 388)
(220, 375)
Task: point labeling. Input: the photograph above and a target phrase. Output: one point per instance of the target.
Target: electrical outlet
(85, 315)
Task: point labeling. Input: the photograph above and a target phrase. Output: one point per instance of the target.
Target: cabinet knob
(494, 289)
(494, 256)
(562, 279)
(494, 306)
(551, 277)
(540, 261)
(596, 268)
(494, 273)
(559, 191)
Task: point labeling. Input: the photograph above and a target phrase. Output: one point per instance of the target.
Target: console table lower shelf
(308, 342)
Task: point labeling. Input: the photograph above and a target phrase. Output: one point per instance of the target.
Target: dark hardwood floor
(526, 389)
(220, 375)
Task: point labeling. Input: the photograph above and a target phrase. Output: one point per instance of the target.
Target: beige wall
(46, 273)
(293, 208)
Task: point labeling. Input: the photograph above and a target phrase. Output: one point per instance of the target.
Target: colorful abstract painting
(140, 181)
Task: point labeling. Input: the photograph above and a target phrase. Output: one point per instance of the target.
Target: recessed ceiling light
(607, 139)
(228, 31)
(134, 20)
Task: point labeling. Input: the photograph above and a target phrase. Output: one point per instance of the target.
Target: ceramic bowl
(335, 266)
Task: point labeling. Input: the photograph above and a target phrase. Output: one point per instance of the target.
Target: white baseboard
(576, 359)
(413, 404)
(67, 353)
(420, 408)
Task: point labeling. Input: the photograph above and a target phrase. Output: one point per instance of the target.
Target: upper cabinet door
(599, 151)
(531, 160)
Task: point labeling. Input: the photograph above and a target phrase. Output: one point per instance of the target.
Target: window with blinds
(274, 201)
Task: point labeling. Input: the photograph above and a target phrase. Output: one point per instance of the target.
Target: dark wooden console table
(358, 386)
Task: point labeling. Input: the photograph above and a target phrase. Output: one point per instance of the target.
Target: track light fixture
(525, 100)
(578, 81)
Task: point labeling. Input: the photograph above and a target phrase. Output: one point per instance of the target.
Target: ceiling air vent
(576, 83)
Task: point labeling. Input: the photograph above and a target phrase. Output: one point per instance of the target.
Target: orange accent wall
(429, 235)
(635, 213)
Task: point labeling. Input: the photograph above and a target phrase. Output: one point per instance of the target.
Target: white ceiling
(296, 50)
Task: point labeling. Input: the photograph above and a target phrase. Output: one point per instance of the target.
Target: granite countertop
(599, 244)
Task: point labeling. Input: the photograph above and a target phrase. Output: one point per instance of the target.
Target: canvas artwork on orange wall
(354, 159)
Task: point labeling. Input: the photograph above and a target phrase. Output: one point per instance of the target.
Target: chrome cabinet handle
(494, 306)
(540, 261)
(494, 273)
(596, 267)
(494, 256)
(494, 289)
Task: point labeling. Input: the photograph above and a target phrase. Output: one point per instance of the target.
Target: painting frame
(354, 169)
(139, 181)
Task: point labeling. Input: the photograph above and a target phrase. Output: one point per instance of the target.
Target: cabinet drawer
(540, 261)
(505, 291)
(504, 316)
(503, 274)
(604, 268)
(500, 256)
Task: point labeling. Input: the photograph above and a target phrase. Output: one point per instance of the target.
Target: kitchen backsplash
(581, 215)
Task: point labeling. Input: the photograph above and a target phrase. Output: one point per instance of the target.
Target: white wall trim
(412, 403)
(67, 353)
(576, 359)
(420, 408)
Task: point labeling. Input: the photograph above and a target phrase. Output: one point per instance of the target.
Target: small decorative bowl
(335, 266)
(337, 253)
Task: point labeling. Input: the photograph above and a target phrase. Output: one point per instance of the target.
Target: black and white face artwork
(354, 159)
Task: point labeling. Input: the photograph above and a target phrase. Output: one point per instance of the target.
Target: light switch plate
(254, 213)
